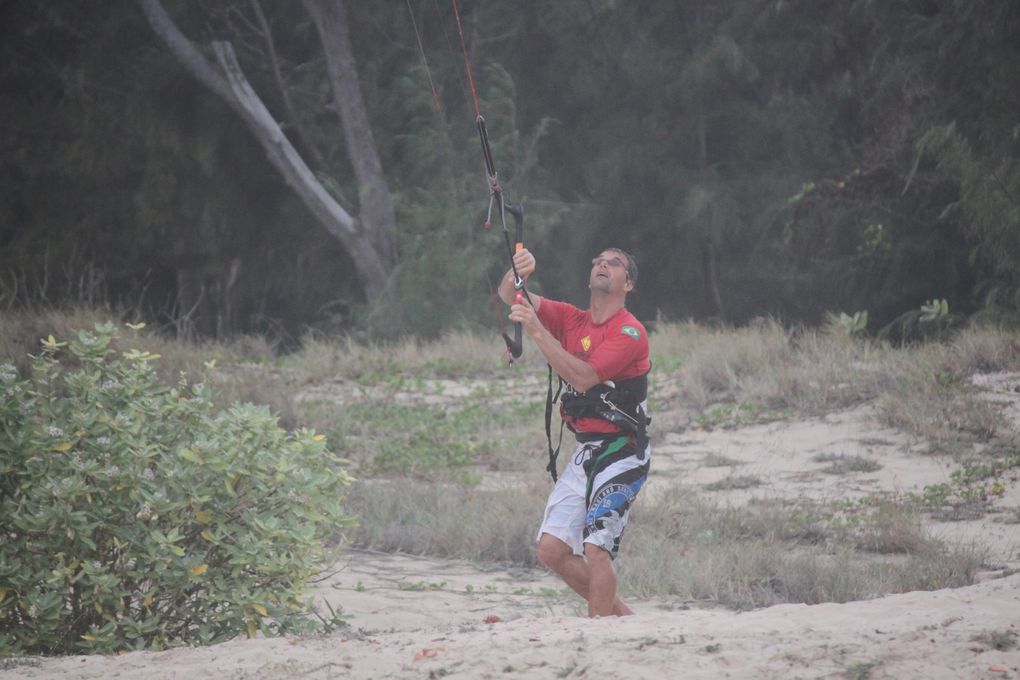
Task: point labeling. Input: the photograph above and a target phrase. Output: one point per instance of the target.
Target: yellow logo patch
(586, 343)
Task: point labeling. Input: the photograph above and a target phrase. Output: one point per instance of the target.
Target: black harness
(619, 403)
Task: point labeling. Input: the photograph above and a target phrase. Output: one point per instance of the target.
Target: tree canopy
(783, 157)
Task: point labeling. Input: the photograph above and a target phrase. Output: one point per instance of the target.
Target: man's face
(609, 273)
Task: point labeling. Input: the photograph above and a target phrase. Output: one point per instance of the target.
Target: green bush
(133, 515)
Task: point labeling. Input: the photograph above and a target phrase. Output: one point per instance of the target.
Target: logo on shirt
(586, 343)
(631, 331)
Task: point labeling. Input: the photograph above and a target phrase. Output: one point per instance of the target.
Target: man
(602, 354)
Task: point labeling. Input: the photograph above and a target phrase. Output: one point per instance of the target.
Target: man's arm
(577, 372)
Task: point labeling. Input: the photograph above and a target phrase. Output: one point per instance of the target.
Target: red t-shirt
(616, 349)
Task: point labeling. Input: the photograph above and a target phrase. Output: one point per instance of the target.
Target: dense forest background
(759, 157)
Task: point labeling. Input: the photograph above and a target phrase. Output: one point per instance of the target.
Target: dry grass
(985, 350)
(766, 364)
(842, 464)
(456, 355)
(761, 370)
(21, 331)
(687, 548)
(1000, 640)
(679, 545)
(764, 368)
(718, 460)
(734, 482)
(243, 366)
(933, 399)
(882, 526)
(447, 520)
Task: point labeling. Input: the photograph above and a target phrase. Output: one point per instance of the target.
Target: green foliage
(785, 158)
(973, 484)
(425, 443)
(932, 321)
(136, 516)
(925, 193)
(736, 415)
(987, 196)
(1000, 307)
(851, 326)
(447, 255)
(432, 442)
(420, 586)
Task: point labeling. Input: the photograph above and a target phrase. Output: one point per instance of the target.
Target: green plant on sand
(135, 515)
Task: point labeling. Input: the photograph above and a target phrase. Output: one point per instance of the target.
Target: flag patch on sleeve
(631, 331)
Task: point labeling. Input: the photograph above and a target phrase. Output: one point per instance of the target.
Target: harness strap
(623, 410)
(619, 403)
(550, 399)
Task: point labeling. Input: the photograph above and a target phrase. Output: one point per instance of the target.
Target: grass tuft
(734, 482)
(842, 464)
(447, 520)
(771, 552)
(1000, 640)
(719, 460)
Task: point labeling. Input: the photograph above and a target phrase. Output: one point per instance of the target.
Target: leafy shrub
(932, 321)
(134, 515)
(846, 325)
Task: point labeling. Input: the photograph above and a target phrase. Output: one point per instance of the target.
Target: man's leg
(601, 581)
(577, 573)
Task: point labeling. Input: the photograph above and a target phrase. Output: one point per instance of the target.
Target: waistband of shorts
(586, 437)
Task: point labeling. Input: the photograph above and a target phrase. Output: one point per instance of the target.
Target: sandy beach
(418, 617)
(499, 633)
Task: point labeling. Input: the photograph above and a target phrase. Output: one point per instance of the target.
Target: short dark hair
(632, 270)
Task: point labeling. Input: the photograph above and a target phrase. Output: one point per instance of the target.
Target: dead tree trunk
(367, 238)
(376, 209)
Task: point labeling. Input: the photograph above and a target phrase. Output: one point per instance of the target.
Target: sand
(444, 632)
(416, 617)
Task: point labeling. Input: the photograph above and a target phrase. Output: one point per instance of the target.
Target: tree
(369, 236)
(925, 205)
(760, 157)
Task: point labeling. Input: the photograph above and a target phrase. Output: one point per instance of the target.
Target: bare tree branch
(185, 52)
(288, 104)
(330, 17)
(368, 239)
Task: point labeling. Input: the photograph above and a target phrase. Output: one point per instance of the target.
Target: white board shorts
(580, 512)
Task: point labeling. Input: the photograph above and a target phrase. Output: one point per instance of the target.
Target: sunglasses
(611, 261)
